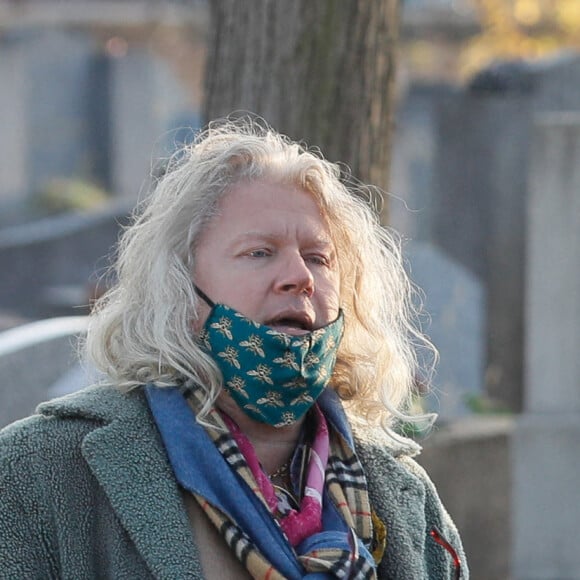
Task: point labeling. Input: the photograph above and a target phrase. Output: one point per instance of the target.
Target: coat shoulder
(422, 540)
(54, 434)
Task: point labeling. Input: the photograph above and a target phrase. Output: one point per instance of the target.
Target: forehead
(264, 206)
(270, 195)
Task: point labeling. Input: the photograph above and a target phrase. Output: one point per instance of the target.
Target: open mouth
(291, 324)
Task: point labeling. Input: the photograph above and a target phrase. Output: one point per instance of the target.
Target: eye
(319, 259)
(259, 253)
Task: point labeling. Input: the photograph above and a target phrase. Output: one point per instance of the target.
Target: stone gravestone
(414, 153)
(547, 437)
(480, 194)
(32, 358)
(57, 68)
(13, 140)
(146, 102)
(479, 200)
(42, 261)
(557, 83)
(454, 301)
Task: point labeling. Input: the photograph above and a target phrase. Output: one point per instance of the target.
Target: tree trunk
(321, 71)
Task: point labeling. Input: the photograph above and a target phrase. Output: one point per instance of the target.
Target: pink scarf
(297, 524)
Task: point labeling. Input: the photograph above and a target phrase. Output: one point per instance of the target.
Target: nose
(295, 277)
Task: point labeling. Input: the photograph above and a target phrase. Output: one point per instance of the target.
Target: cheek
(329, 293)
(334, 305)
(203, 311)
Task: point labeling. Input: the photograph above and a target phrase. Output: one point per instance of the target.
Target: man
(257, 298)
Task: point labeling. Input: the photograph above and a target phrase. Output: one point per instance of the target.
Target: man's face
(269, 255)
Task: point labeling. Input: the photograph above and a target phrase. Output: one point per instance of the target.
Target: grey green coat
(86, 491)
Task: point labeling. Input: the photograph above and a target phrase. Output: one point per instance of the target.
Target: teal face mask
(274, 377)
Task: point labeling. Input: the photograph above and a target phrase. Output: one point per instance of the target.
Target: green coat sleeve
(443, 547)
(26, 543)
(422, 540)
(57, 521)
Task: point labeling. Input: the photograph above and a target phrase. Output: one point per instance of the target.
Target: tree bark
(321, 71)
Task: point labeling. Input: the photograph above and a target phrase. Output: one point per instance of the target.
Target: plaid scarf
(342, 555)
(297, 524)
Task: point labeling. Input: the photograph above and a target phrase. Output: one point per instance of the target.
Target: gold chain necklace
(283, 472)
(282, 484)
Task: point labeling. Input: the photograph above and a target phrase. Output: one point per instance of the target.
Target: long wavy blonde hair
(141, 330)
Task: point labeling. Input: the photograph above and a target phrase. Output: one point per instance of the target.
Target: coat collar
(126, 456)
(398, 497)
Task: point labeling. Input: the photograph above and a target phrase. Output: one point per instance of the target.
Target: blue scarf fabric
(201, 469)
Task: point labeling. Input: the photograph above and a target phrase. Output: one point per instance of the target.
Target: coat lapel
(128, 460)
(398, 498)
(396, 495)
(127, 457)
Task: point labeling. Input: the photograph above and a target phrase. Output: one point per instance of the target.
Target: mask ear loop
(204, 297)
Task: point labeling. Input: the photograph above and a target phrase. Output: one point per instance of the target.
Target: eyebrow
(318, 241)
(252, 234)
(322, 242)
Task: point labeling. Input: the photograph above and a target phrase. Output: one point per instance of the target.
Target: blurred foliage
(522, 29)
(420, 422)
(62, 195)
(481, 404)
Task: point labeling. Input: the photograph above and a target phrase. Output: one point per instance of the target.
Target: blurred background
(485, 189)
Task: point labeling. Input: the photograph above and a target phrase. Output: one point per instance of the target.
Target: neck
(274, 446)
